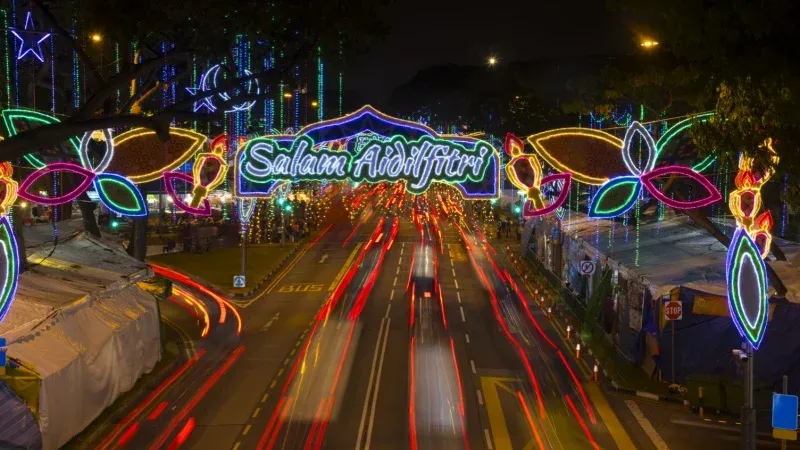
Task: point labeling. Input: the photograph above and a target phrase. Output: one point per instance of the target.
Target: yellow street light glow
(287, 95)
(96, 37)
(649, 43)
(314, 103)
(492, 61)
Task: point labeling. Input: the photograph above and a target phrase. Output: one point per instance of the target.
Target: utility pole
(748, 410)
(243, 270)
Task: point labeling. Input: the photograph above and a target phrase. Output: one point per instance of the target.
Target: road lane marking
(480, 396)
(369, 383)
(255, 413)
(646, 425)
(456, 282)
(401, 251)
(608, 417)
(344, 268)
(286, 361)
(463, 319)
(494, 410)
(399, 260)
(388, 308)
(272, 385)
(324, 257)
(377, 386)
(264, 398)
(280, 372)
(394, 283)
(454, 272)
(458, 296)
(236, 445)
(397, 272)
(472, 364)
(466, 336)
(246, 430)
(488, 439)
(391, 296)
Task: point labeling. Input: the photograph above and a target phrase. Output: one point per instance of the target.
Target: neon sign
(368, 146)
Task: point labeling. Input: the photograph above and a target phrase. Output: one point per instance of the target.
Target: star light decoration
(535, 198)
(29, 40)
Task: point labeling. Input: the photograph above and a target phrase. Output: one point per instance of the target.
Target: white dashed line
(472, 364)
(646, 425)
(397, 272)
(458, 296)
(388, 307)
(456, 282)
(454, 272)
(255, 413)
(480, 397)
(488, 439)
(401, 251)
(236, 446)
(246, 430)
(395, 282)
(463, 319)
(466, 337)
(391, 296)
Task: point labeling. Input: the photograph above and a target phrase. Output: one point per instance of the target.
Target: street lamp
(648, 44)
(492, 61)
(96, 37)
(287, 95)
(314, 103)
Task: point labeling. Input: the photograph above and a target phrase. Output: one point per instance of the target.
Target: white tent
(82, 323)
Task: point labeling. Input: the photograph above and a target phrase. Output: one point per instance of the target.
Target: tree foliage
(737, 57)
(176, 33)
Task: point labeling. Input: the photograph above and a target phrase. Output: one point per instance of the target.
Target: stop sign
(674, 310)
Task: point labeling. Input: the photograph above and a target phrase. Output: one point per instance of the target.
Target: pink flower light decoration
(169, 177)
(648, 177)
(24, 188)
(566, 177)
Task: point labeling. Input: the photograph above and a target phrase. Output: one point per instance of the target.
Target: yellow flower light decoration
(545, 144)
(201, 190)
(748, 193)
(514, 147)
(10, 187)
(187, 142)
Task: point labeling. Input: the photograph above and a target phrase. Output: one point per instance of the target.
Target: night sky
(432, 32)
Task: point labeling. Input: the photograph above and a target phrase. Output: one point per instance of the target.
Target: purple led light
(87, 175)
(648, 177)
(34, 47)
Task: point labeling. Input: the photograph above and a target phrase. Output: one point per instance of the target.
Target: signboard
(673, 310)
(3, 349)
(784, 412)
(368, 146)
(239, 281)
(586, 267)
(555, 234)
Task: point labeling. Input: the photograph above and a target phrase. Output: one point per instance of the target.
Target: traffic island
(218, 267)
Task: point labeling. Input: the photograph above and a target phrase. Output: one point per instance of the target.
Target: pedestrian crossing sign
(238, 281)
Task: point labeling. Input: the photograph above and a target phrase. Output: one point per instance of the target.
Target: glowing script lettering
(419, 162)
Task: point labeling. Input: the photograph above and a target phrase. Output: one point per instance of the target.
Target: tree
(174, 34)
(739, 58)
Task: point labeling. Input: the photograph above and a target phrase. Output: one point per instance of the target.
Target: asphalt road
(306, 372)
